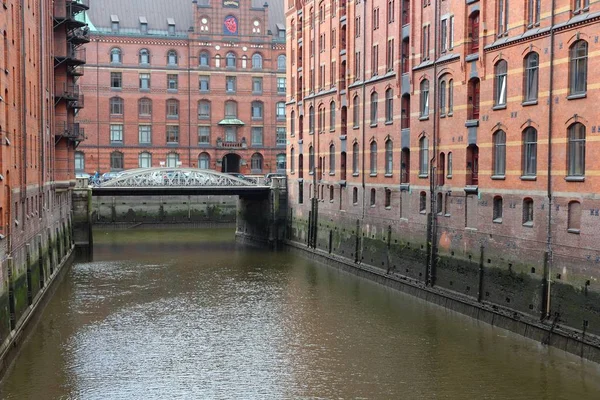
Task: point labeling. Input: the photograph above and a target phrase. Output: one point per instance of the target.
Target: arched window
(204, 109)
(355, 158)
(204, 161)
(172, 160)
(217, 61)
(292, 160)
(230, 60)
(172, 108)
(532, 66)
(405, 165)
(578, 55)
(244, 62)
(311, 160)
(332, 116)
(473, 99)
(116, 56)
(116, 106)
(257, 110)
(281, 62)
(355, 111)
(144, 107)
(256, 163)
(300, 166)
(474, 32)
(280, 163)
(405, 111)
(374, 100)
(574, 221)
(423, 157)
(230, 109)
(389, 157)
(389, 105)
(172, 57)
(529, 152)
(449, 167)
(332, 159)
(311, 120)
(116, 161)
(280, 110)
(373, 197)
(204, 59)
(257, 61)
(424, 98)
(354, 195)
(293, 123)
(497, 216)
(499, 154)
(500, 71)
(576, 156)
(144, 57)
(373, 157)
(321, 120)
(423, 202)
(145, 160)
(79, 161)
(528, 212)
(442, 94)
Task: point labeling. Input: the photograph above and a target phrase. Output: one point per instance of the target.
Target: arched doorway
(231, 163)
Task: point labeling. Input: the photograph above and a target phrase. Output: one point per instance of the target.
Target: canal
(189, 314)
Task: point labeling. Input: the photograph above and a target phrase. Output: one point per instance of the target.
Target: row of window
(230, 60)
(117, 133)
(117, 108)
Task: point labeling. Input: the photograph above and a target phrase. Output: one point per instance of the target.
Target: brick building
(182, 82)
(40, 57)
(461, 135)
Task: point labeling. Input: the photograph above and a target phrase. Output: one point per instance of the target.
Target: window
(581, 5)
(497, 217)
(500, 83)
(355, 112)
(451, 33)
(144, 28)
(280, 110)
(332, 116)
(116, 106)
(217, 61)
(204, 109)
(528, 212)
(424, 98)
(373, 158)
(449, 167)
(355, 156)
(230, 109)
(474, 32)
(281, 138)
(145, 160)
(172, 109)
(373, 197)
(230, 60)
(244, 62)
(145, 81)
(204, 59)
(576, 156)
(116, 161)
(578, 68)
(473, 99)
(423, 202)
(533, 12)
(442, 98)
(405, 165)
(256, 163)
(450, 96)
(116, 133)
(257, 110)
(204, 83)
(423, 157)
(144, 107)
(145, 134)
(375, 60)
(439, 205)
(172, 133)
(529, 152)
(204, 161)
(293, 123)
(280, 163)
(257, 85)
(231, 134)
(257, 61)
(144, 57)
(405, 111)
(204, 135)
(331, 159)
(355, 195)
(116, 80)
(115, 56)
(389, 157)
(502, 17)
(374, 101)
(389, 56)
(425, 43)
(230, 84)
(171, 29)
(532, 65)
(311, 160)
(444, 36)
(281, 85)
(172, 82)
(172, 160)
(79, 161)
(311, 120)
(172, 57)
(390, 11)
(388, 198)
(499, 154)
(281, 62)
(257, 135)
(574, 221)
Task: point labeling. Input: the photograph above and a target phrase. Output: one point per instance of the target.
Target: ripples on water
(188, 315)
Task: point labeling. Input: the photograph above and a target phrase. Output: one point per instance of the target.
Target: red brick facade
(451, 106)
(230, 55)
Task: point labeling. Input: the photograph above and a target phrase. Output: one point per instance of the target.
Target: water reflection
(188, 314)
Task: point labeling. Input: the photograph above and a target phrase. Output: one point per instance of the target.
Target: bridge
(180, 181)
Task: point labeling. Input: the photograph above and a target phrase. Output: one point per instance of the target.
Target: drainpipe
(23, 174)
(98, 106)
(364, 111)
(189, 91)
(41, 117)
(548, 256)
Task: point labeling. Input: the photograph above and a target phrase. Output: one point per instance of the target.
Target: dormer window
(171, 23)
(143, 25)
(281, 31)
(114, 23)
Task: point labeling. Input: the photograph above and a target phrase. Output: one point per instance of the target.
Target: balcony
(73, 56)
(65, 12)
(79, 36)
(69, 131)
(66, 91)
(231, 145)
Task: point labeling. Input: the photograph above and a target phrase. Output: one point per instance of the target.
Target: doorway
(230, 163)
